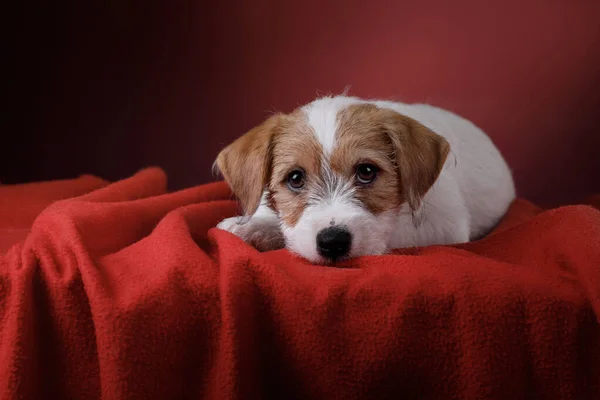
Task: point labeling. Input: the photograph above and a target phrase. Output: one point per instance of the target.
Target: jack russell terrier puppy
(343, 177)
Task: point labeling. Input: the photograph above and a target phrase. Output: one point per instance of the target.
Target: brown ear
(420, 156)
(245, 163)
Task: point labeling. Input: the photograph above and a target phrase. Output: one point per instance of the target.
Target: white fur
(322, 117)
(471, 194)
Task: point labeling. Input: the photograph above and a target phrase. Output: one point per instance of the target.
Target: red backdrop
(110, 88)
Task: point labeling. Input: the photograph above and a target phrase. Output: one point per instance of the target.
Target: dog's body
(344, 177)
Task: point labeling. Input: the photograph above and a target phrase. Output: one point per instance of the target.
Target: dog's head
(337, 172)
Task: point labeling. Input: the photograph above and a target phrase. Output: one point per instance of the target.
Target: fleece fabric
(126, 291)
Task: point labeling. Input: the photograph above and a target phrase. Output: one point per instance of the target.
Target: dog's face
(337, 172)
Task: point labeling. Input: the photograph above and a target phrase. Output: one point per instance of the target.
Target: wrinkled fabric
(125, 291)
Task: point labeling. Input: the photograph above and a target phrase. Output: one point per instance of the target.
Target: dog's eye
(366, 173)
(295, 180)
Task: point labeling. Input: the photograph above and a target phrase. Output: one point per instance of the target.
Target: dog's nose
(334, 242)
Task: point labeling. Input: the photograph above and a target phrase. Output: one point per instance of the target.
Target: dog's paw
(263, 234)
(230, 224)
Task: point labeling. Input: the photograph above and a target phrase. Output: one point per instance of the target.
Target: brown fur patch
(420, 155)
(245, 163)
(361, 138)
(409, 155)
(297, 147)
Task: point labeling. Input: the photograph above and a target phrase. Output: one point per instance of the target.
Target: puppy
(344, 177)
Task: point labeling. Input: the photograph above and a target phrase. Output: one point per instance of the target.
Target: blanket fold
(126, 291)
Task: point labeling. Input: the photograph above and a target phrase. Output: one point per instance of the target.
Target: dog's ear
(245, 164)
(420, 155)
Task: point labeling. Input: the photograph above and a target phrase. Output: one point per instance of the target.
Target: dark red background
(113, 87)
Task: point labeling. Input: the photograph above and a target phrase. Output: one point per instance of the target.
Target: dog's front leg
(262, 230)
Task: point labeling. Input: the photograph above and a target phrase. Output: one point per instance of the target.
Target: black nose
(334, 242)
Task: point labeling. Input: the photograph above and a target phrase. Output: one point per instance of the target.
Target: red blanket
(124, 291)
